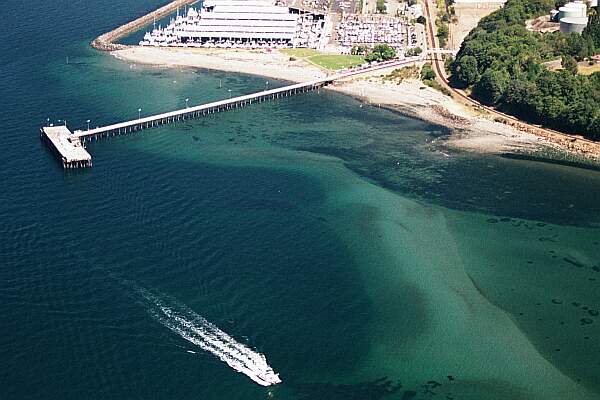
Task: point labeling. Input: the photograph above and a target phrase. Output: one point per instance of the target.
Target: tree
(465, 70)
(381, 7)
(421, 20)
(381, 52)
(569, 64)
(577, 46)
(592, 30)
(443, 31)
(518, 98)
(415, 51)
(359, 50)
(427, 73)
(492, 85)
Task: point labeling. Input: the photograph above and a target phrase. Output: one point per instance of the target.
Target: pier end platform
(66, 146)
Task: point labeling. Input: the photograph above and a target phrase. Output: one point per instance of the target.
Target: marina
(242, 24)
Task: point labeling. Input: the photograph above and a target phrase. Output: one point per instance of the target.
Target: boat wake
(197, 330)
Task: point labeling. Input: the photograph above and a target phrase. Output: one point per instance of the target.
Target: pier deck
(67, 146)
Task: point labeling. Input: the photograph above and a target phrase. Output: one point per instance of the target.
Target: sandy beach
(471, 131)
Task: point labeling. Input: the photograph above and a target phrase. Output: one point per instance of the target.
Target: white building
(241, 23)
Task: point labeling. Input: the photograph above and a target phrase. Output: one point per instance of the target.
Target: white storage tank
(573, 24)
(573, 10)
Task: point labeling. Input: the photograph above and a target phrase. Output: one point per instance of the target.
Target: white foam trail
(197, 330)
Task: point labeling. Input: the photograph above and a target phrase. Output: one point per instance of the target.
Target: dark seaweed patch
(573, 262)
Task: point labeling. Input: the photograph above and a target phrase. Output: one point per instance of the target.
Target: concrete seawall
(106, 41)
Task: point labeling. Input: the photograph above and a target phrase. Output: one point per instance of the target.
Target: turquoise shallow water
(336, 240)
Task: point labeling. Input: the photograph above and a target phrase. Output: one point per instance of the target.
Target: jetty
(70, 146)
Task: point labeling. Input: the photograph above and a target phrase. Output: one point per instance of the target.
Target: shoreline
(474, 128)
(470, 130)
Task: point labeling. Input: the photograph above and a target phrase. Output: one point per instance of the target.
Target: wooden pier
(70, 146)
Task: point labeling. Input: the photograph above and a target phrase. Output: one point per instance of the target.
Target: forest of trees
(502, 63)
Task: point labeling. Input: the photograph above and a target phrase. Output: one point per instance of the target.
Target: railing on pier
(198, 111)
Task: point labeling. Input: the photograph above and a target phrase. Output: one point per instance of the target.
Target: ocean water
(339, 246)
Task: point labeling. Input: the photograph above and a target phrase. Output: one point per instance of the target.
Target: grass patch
(300, 53)
(400, 74)
(436, 85)
(336, 61)
(588, 69)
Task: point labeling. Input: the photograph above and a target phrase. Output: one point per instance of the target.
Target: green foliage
(381, 6)
(436, 85)
(492, 85)
(465, 70)
(447, 62)
(381, 52)
(569, 64)
(427, 73)
(503, 63)
(415, 51)
(442, 32)
(400, 74)
(592, 31)
(359, 50)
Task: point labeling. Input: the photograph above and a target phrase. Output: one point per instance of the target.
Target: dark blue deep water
(278, 229)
